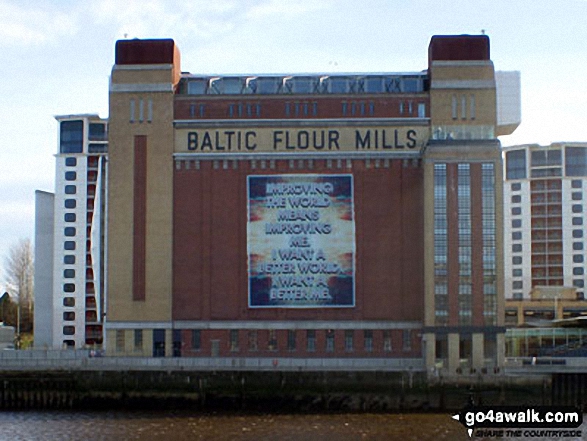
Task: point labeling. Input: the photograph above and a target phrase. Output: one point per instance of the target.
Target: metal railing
(81, 360)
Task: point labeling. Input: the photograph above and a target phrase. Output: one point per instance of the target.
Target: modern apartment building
(70, 236)
(545, 229)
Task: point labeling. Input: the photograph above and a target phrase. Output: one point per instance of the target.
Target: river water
(183, 426)
(180, 426)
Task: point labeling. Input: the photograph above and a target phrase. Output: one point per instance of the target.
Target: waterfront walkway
(47, 360)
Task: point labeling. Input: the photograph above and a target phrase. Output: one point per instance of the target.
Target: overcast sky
(56, 57)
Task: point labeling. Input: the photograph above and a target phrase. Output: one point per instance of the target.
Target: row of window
(252, 343)
(548, 163)
(460, 103)
(71, 137)
(142, 108)
(298, 109)
(303, 85)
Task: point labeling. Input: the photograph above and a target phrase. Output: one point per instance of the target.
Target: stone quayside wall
(273, 391)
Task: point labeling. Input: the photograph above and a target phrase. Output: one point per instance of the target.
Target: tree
(19, 274)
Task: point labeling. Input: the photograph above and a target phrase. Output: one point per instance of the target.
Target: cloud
(32, 26)
(157, 18)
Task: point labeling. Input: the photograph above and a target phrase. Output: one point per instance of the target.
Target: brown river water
(180, 426)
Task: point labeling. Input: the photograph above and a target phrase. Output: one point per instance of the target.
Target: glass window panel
(516, 164)
(576, 161)
(71, 136)
(197, 86)
(98, 132)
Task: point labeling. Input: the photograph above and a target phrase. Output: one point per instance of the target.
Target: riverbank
(275, 391)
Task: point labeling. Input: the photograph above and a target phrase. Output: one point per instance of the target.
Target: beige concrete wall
(455, 79)
(454, 360)
(462, 70)
(429, 301)
(142, 74)
(478, 351)
(159, 198)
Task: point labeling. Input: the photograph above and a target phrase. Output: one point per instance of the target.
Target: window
(69, 330)
(311, 340)
(578, 258)
(68, 316)
(330, 340)
(98, 132)
(516, 186)
(70, 162)
(576, 161)
(368, 340)
(348, 340)
(517, 235)
(577, 208)
(234, 340)
(577, 195)
(94, 147)
(272, 340)
(578, 271)
(70, 176)
(387, 340)
(120, 340)
(69, 245)
(69, 301)
(541, 158)
(253, 340)
(69, 217)
(517, 273)
(578, 283)
(515, 164)
(69, 259)
(70, 203)
(69, 287)
(576, 183)
(517, 260)
(577, 221)
(577, 234)
(69, 231)
(473, 110)
(516, 199)
(517, 248)
(407, 339)
(454, 107)
(517, 284)
(69, 273)
(516, 223)
(516, 211)
(196, 339)
(291, 340)
(70, 189)
(71, 136)
(577, 246)
(138, 340)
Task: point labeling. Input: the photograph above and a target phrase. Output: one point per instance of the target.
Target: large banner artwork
(301, 241)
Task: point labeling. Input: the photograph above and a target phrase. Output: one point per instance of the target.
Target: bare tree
(19, 274)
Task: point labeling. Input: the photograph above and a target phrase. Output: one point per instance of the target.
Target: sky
(56, 58)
